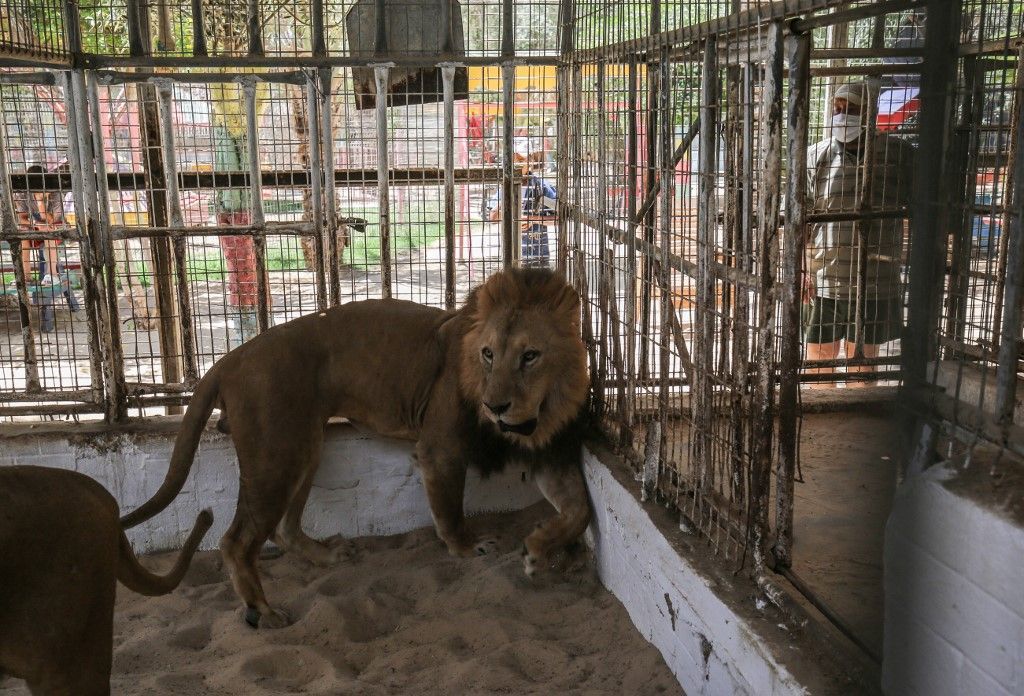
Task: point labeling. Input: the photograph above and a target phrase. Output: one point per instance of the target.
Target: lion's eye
(529, 356)
(488, 355)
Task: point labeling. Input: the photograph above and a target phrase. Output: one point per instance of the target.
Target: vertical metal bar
(84, 193)
(448, 43)
(928, 236)
(318, 44)
(799, 50)
(508, 43)
(707, 226)
(863, 226)
(257, 219)
(176, 220)
(1006, 373)
(316, 187)
(632, 174)
(567, 26)
(9, 224)
(666, 310)
(380, 74)
(136, 28)
(575, 120)
(562, 166)
(254, 25)
(330, 185)
(380, 42)
(448, 80)
(509, 205)
(116, 391)
(647, 279)
(602, 216)
(198, 29)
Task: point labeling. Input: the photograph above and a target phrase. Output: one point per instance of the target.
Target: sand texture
(400, 617)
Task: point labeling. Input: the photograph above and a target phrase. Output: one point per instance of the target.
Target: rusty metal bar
(508, 43)
(177, 221)
(316, 189)
(69, 234)
(928, 238)
(198, 29)
(632, 172)
(97, 62)
(137, 40)
(799, 50)
(862, 225)
(252, 142)
(509, 205)
(707, 219)
(254, 27)
(602, 216)
(84, 193)
(380, 74)
(666, 310)
(318, 42)
(448, 80)
(575, 120)
(652, 192)
(50, 410)
(562, 162)
(85, 395)
(116, 77)
(325, 76)
(277, 228)
(116, 408)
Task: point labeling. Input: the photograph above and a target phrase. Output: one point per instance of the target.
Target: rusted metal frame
(732, 172)
(84, 193)
(198, 29)
(763, 389)
(28, 78)
(113, 368)
(316, 191)
(799, 51)
(563, 78)
(647, 271)
(602, 216)
(136, 389)
(509, 205)
(632, 170)
(8, 222)
(138, 28)
(254, 27)
(651, 196)
(862, 227)
(844, 16)
(380, 79)
(994, 47)
(155, 180)
(84, 395)
(67, 234)
(583, 290)
(93, 61)
(49, 410)
(318, 41)
(1006, 372)
(330, 197)
(846, 362)
(928, 236)
(380, 41)
(252, 142)
(614, 333)
(962, 159)
(117, 77)
(1002, 256)
(707, 222)
(576, 158)
(176, 220)
(448, 83)
(508, 43)
(275, 228)
(880, 375)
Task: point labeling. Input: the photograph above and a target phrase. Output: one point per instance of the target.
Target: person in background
(30, 207)
(837, 176)
(538, 211)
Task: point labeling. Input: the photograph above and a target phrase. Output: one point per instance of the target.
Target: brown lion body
(63, 552)
(402, 370)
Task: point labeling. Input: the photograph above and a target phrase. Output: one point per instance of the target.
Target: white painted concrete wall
(954, 594)
(365, 485)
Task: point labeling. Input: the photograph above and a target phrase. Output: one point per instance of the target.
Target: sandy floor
(402, 617)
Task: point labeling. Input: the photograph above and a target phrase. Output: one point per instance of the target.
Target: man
(838, 175)
(538, 211)
(32, 210)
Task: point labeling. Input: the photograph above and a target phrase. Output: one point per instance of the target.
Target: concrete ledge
(365, 485)
(715, 633)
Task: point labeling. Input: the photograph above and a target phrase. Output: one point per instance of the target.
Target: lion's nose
(498, 409)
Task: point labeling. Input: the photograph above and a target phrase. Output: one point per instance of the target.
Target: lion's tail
(137, 579)
(198, 412)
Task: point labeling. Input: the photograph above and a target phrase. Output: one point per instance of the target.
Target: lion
(63, 553)
(502, 379)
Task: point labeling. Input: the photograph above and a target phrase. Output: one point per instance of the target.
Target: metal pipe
(562, 166)
(380, 74)
(632, 174)
(316, 188)
(398, 59)
(448, 80)
(117, 77)
(509, 205)
(666, 310)
(864, 204)
(254, 26)
(136, 36)
(318, 42)
(275, 228)
(602, 216)
(326, 76)
(508, 44)
(252, 142)
(198, 29)
(177, 220)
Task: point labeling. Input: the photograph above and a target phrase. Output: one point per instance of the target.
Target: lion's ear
(567, 305)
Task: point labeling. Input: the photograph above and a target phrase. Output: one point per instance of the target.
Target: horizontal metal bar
(404, 60)
(69, 234)
(281, 228)
(28, 78)
(997, 47)
(854, 215)
(47, 395)
(140, 388)
(851, 362)
(801, 26)
(115, 77)
(57, 63)
(879, 376)
(50, 410)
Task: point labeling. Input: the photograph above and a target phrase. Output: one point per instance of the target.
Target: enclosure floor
(400, 617)
(849, 469)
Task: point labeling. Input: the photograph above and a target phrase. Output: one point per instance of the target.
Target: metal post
(330, 185)
(799, 50)
(575, 119)
(664, 274)
(316, 187)
(257, 218)
(632, 174)
(138, 25)
(198, 29)
(176, 220)
(563, 78)
(448, 80)
(508, 44)
(318, 45)
(509, 205)
(117, 405)
(863, 225)
(602, 216)
(380, 74)
(252, 19)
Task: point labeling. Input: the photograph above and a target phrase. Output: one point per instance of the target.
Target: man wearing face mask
(838, 175)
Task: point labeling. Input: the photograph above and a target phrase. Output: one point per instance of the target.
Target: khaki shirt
(835, 182)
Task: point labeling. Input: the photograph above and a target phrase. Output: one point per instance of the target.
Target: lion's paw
(275, 618)
(485, 546)
(530, 563)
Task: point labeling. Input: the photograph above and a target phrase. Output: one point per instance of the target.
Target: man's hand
(809, 289)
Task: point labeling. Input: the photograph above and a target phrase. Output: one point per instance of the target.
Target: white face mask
(845, 127)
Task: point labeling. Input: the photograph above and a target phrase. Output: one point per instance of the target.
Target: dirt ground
(401, 617)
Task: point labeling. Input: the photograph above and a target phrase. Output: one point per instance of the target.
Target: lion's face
(524, 363)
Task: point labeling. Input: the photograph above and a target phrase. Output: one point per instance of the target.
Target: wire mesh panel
(34, 29)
